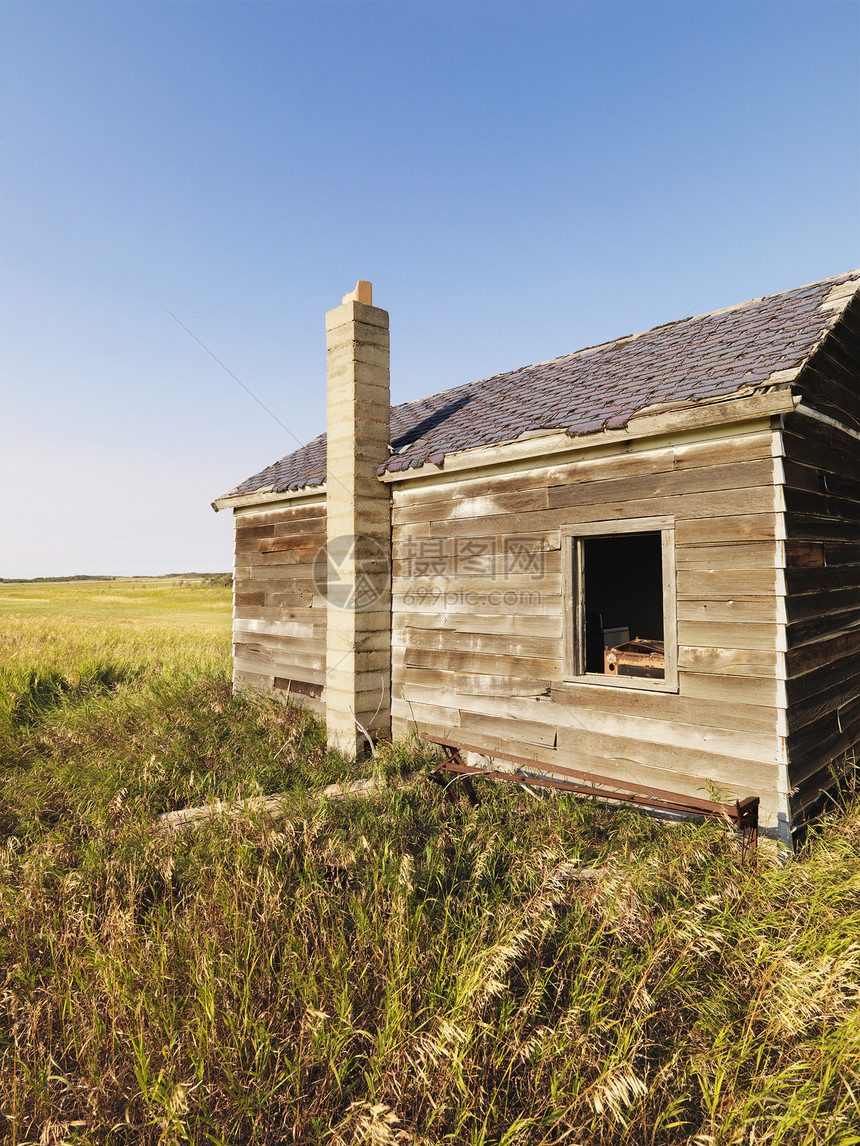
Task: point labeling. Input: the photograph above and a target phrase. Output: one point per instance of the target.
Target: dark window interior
(623, 586)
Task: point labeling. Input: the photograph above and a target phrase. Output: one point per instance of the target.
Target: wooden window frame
(572, 537)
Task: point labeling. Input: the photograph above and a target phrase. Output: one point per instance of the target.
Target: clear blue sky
(517, 180)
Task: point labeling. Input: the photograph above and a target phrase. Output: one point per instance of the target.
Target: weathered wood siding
(279, 618)
(822, 494)
(831, 380)
(479, 610)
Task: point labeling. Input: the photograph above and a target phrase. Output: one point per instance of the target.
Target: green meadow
(393, 970)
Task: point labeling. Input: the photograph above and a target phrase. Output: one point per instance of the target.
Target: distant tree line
(211, 578)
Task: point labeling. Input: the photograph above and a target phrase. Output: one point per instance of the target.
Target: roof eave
(647, 423)
(266, 497)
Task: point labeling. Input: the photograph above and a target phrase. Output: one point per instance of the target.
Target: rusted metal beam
(744, 813)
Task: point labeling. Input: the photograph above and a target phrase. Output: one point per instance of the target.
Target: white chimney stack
(358, 619)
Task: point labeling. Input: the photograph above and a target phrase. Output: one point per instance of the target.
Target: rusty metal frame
(743, 813)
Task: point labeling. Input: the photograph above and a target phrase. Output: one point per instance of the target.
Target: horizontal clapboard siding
(822, 497)
(479, 613)
(279, 617)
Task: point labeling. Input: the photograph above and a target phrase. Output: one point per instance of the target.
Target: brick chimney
(358, 617)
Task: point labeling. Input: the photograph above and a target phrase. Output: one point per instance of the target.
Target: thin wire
(249, 392)
(589, 732)
(247, 389)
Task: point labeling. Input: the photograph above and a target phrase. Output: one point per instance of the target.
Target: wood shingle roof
(745, 349)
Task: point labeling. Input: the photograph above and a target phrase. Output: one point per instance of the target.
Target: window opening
(622, 601)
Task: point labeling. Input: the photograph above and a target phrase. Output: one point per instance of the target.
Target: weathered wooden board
(294, 630)
(728, 662)
(842, 552)
(488, 504)
(280, 516)
(279, 618)
(760, 610)
(719, 530)
(708, 479)
(628, 459)
(544, 668)
(282, 577)
(508, 552)
(694, 774)
(577, 489)
(736, 449)
(526, 625)
(805, 555)
(737, 556)
(303, 616)
(821, 627)
(730, 635)
(548, 585)
(805, 744)
(503, 644)
(682, 769)
(421, 565)
(257, 681)
(426, 717)
(822, 580)
(503, 684)
(733, 507)
(811, 527)
(300, 650)
(246, 600)
(821, 504)
(822, 526)
(309, 541)
(308, 522)
(743, 716)
(827, 601)
(251, 533)
(743, 689)
(256, 663)
(564, 704)
(821, 681)
(829, 649)
(409, 599)
(684, 505)
(722, 584)
(286, 594)
(479, 725)
(276, 653)
(541, 719)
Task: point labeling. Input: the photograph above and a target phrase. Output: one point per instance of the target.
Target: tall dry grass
(386, 971)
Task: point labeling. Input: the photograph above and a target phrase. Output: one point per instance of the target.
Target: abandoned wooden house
(638, 560)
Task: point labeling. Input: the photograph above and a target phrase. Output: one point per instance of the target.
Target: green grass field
(138, 602)
(381, 971)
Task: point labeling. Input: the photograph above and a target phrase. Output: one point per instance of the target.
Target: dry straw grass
(383, 972)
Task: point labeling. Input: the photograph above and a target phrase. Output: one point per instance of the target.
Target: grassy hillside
(386, 971)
